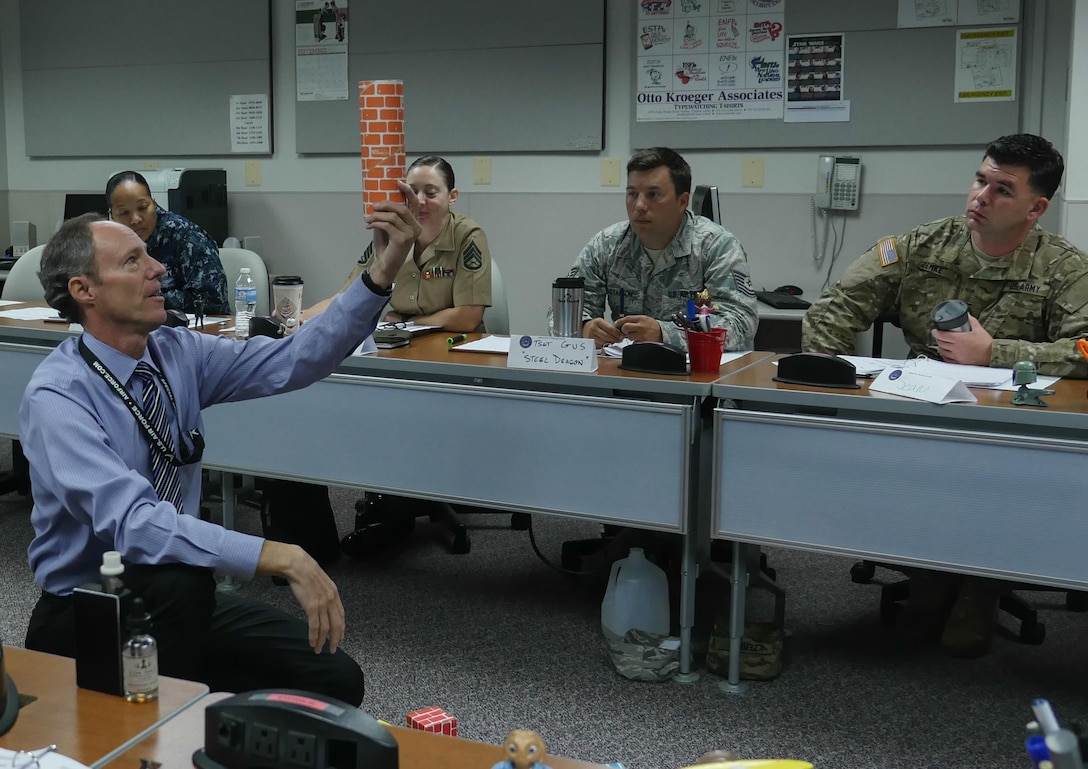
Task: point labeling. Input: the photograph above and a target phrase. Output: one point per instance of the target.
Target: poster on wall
(949, 13)
(986, 64)
(814, 78)
(321, 50)
(710, 59)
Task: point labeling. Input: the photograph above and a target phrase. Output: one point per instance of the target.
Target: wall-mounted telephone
(837, 182)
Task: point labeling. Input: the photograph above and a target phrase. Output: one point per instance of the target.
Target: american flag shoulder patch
(888, 254)
(743, 283)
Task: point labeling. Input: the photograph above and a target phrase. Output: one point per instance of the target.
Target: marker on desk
(1044, 714)
(451, 341)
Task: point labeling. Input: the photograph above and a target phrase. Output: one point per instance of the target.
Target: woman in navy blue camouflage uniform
(190, 256)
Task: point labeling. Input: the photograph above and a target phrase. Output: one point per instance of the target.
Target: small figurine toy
(1023, 374)
(524, 749)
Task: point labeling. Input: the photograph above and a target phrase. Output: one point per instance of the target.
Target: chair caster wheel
(1076, 600)
(461, 543)
(520, 521)
(889, 610)
(1033, 633)
(861, 573)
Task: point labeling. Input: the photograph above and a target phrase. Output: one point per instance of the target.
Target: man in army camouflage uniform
(1027, 293)
(1026, 289)
(648, 267)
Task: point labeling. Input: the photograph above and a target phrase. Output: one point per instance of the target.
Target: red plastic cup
(705, 350)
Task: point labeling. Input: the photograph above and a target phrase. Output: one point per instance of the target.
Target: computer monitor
(76, 203)
(704, 201)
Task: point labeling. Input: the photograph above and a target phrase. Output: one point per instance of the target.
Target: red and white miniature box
(433, 720)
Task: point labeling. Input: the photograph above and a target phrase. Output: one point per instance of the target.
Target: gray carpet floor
(503, 641)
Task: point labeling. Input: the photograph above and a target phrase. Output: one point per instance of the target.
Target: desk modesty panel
(19, 362)
(521, 451)
(984, 503)
(985, 488)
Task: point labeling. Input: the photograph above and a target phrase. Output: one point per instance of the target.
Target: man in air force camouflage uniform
(1027, 293)
(1026, 289)
(648, 267)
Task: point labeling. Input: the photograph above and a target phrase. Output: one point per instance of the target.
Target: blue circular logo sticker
(526, 342)
(895, 374)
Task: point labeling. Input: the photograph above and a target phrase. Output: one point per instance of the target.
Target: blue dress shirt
(90, 465)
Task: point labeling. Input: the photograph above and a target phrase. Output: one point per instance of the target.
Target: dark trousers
(231, 643)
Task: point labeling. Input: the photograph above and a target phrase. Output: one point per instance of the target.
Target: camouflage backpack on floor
(645, 656)
(760, 650)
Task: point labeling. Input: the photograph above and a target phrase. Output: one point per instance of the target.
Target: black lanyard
(188, 456)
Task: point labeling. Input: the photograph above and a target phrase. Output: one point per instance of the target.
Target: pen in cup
(451, 341)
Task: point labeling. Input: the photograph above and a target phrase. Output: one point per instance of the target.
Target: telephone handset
(837, 182)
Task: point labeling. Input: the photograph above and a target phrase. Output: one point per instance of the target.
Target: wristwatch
(369, 283)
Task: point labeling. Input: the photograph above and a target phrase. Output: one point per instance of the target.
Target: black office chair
(17, 479)
(878, 330)
(382, 519)
(1032, 631)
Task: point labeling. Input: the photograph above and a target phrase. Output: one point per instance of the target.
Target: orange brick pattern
(381, 139)
(433, 720)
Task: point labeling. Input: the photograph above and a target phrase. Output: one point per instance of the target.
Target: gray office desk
(473, 431)
(476, 431)
(987, 488)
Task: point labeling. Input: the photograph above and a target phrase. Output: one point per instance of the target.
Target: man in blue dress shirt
(93, 479)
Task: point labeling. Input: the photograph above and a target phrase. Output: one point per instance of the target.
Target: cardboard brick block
(434, 720)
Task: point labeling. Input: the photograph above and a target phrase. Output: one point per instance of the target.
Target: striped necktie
(167, 480)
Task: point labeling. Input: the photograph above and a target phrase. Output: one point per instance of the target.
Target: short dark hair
(434, 161)
(124, 176)
(655, 157)
(1044, 163)
(68, 253)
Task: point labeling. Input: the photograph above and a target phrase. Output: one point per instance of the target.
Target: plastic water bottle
(637, 597)
(111, 571)
(245, 302)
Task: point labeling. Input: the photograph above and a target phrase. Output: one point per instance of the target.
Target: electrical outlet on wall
(253, 173)
(481, 170)
(610, 172)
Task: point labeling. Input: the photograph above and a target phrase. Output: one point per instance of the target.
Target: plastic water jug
(637, 597)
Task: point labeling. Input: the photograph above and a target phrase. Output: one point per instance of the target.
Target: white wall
(540, 209)
(1076, 183)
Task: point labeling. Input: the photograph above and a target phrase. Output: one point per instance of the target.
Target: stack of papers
(31, 313)
(490, 343)
(41, 758)
(972, 376)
